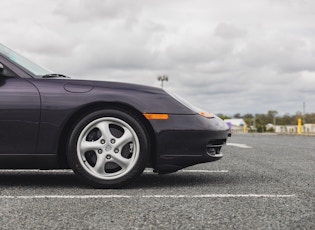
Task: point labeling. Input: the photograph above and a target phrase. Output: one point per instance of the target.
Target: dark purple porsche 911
(107, 132)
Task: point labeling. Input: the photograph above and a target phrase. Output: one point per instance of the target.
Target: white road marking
(71, 172)
(203, 171)
(141, 196)
(194, 171)
(37, 170)
(149, 196)
(244, 146)
(66, 197)
(222, 196)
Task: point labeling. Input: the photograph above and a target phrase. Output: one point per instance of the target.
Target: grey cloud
(281, 53)
(223, 56)
(229, 31)
(85, 10)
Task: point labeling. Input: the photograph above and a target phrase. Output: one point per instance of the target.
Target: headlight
(206, 114)
(190, 106)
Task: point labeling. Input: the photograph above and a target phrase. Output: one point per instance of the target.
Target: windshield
(29, 66)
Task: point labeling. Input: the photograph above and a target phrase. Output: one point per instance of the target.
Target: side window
(6, 72)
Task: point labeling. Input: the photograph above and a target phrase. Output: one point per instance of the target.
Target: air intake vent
(214, 146)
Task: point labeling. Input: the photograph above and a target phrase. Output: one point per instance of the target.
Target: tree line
(258, 122)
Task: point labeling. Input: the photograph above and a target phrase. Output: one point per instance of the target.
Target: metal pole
(304, 113)
(162, 79)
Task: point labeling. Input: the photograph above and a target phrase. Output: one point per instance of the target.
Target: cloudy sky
(226, 56)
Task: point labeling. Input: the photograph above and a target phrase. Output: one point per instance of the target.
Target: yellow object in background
(299, 126)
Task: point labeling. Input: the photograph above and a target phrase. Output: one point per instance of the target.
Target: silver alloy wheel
(108, 148)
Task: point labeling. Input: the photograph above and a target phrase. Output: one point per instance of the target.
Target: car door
(19, 113)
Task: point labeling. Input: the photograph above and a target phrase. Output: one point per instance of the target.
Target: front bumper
(185, 140)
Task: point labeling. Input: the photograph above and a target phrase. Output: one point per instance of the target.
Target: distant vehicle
(107, 132)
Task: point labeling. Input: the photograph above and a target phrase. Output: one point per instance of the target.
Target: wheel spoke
(89, 145)
(104, 128)
(124, 139)
(100, 164)
(121, 161)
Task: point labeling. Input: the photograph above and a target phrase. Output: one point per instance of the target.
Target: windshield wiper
(52, 75)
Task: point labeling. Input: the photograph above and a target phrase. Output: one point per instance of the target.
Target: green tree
(249, 119)
(237, 115)
(271, 116)
(223, 117)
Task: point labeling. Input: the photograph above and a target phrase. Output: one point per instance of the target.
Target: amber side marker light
(206, 114)
(156, 116)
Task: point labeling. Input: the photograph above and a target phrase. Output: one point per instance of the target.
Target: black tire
(108, 148)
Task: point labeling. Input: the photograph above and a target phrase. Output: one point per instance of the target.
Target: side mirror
(1, 69)
(5, 72)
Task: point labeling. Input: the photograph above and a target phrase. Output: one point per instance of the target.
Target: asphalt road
(263, 182)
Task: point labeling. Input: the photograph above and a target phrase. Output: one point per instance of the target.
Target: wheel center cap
(108, 148)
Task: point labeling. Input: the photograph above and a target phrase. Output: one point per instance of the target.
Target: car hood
(145, 99)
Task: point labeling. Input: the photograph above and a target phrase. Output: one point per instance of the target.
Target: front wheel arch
(83, 111)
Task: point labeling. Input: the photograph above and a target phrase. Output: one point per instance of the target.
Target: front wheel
(108, 148)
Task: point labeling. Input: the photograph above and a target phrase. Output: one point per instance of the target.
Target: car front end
(187, 139)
